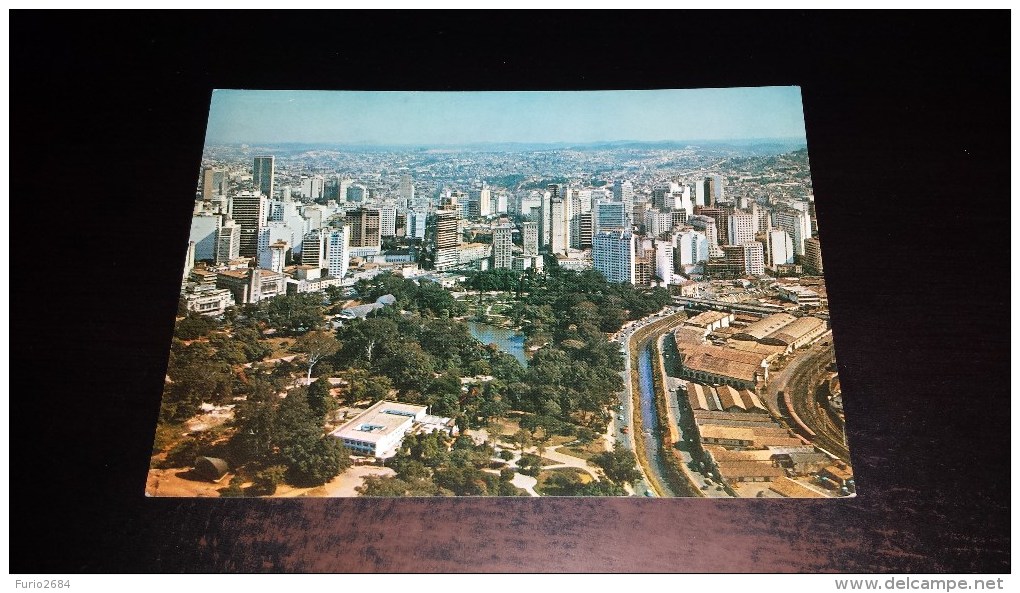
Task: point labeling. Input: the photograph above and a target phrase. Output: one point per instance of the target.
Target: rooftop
(383, 418)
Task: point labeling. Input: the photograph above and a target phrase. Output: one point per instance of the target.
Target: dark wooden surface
(907, 121)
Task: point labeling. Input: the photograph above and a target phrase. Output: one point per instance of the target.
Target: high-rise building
(793, 222)
(203, 235)
(585, 229)
(406, 190)
(780, 248)
(741, 227)
(228, 242)
(484, 202)
(660, 194)
(614, 255)
(529, 238)
(502, 246)
(208, 186)
(313, 187)
(364, 224)
(338, 251)
(387, 221)
(754, 258)
(559, 227)
(707, 225)
(263, 175)
(722, 221)
(611, 216)
(274, 258)
(813, 256)
(644, 262)
(691, 247)
(416, 221)
(314, 249)
(445, 238)
(250, 210)
(709, 193)
(664, 262)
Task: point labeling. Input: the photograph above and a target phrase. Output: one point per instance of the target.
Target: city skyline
(534, 117)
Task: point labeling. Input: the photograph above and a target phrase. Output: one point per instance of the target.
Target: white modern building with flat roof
(379, 430)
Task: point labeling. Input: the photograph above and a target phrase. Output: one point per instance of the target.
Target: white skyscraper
(780, 248)
(484, 202)
(559, 226)
(502, 246)
(691, 246)
(228, 242)
(387, 222)
(613, 255)
(754, 258)
(338, 251)
(416, 224)
(741, 228)
(793, 222)
(203, 235)
(664, 261)
(275, 257)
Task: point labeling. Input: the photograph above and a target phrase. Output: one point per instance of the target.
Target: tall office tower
(741, 228)
(644, 262)
(575, 219)
(754, 258)
(614, 255)
(792, 221)
(501, 203)
(529, 238)
(699, 193)
(664, 262)
(364, 224)
(558, 239)
(545, 216)
(722, 221)
(813, 256)
(228, 242)
(446, 238)
(502, 246)
(203, 235)
(707, 225)
(208, 186)
(683, 199)
(780, 248)
(387, 222)
(691, 247)
(275, 257)
(447, 229)
(637, 211)
(406, 190)
(484, 202)
(221, 182)
(709, 192)
(250, 211)
(313, 187)
(338, 251)
(586, 230)
(416, 221)
(762, 218)
(623, 191)
(314, 249)
(657, 223)
(189, 260)
(678, 217)
(660, 193)
(263, 175)
(811, 216)
(611, 216)
(314, 215)
(473, 209)
(357, 193)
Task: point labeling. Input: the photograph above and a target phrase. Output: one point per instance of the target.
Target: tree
(311, 458)
(320, 399)
(316, 345)
(620, 465)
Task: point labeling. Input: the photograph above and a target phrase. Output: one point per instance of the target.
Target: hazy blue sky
(435, 118)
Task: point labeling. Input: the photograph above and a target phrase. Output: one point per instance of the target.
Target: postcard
(563, 293)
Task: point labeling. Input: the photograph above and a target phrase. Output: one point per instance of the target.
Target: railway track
(801, 389)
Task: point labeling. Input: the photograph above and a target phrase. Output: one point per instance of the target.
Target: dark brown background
(907, 122)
